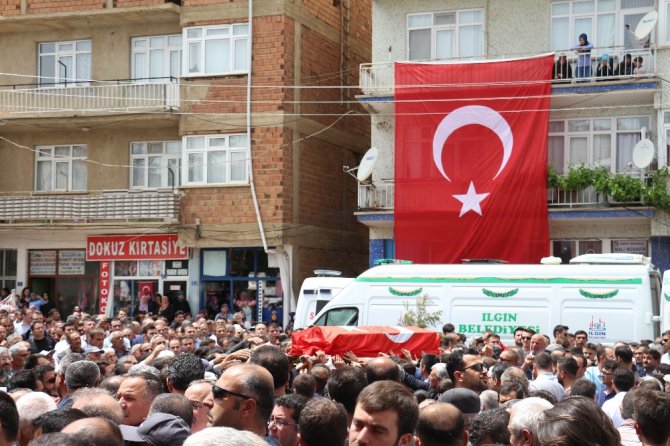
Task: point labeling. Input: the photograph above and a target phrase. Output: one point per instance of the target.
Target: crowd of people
(199, 381)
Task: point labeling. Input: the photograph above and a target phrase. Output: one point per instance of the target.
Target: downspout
(250, 166)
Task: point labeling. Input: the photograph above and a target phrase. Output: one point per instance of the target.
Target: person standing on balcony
(562, 68)
(583, 49)
(606, 68)
(637, 66)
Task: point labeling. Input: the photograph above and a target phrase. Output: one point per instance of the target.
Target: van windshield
(339, 316)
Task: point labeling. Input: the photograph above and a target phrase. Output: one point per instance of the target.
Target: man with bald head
(381, 369)
(96, 431)
(243, 399)
(441, 424)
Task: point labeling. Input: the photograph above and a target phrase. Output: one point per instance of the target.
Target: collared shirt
(612, 408)
(548, 381)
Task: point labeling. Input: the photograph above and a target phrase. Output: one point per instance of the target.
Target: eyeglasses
(280, 423)
(219, 393)
(479, 367)
(526, 338)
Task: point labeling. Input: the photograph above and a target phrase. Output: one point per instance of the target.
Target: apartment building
(195, 147)
(594, 122)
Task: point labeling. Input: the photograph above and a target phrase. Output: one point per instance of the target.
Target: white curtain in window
(624, 150)
(470, 41)
(606, 31)
(602, 151)
(83, 67)
(241, 58)
(583, 25)
(444, 44)
(138, 172)
(195, 167)
(43, 175)
(629, 4)
(419, 44)
(217, 56)
(155, 163)
(238, 166)
(557, 153)
(79, 175)
(579, 150)
(216, 167)
(62, 175)
(157, 63)
(560, 34)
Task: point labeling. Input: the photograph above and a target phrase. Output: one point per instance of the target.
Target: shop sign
(105, 269)
(135, 247)
(71, 263)
(630, 246)
(42, 263)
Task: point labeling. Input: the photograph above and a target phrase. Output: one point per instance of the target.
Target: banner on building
(471, 160)
(104, 284)
(135, 247)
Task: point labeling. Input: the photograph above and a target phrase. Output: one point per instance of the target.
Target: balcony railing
(574, 197)
(108, 205)
(377, 196)
(86, 98)
(378, 79)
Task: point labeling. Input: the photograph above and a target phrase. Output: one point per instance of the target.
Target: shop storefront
(240, 275)
(137, 266)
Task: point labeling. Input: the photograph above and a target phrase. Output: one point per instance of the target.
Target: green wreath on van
(592, 295)
(397, 292)
(491, 293)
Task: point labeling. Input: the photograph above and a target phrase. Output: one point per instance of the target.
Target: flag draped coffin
(364, 341)
(471, 160)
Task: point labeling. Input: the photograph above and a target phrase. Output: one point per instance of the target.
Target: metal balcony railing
(378, 79)
(574, 197)
(89, 97)
(376, 196)
(108, 205)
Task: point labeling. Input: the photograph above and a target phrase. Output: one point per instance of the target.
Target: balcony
(131, 205)
(377, 80)
(93, 98)
(376, 197)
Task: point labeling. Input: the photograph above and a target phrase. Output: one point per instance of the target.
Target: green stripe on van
(539, 280)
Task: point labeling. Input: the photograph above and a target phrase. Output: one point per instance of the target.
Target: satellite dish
(368, 163)
(646, 25)
(643, 153)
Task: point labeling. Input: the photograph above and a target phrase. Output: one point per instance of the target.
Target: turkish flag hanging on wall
(471, 160)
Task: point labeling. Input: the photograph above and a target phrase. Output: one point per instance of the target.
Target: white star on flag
(471, 200)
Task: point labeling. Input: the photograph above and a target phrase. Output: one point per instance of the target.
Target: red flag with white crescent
(471, 160)
(365, 341)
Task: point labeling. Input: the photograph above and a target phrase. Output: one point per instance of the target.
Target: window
(216, 49)
(445, 35)
(64, 63)
(606, 142)
(339, 317)
(156, 57)
(215, 159)
(569, 249)
(61, 168)
(606, 22)
(155, 164)
(8, 268)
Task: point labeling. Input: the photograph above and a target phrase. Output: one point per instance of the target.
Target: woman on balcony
(562, 69)
(606, 68)
(583, 50)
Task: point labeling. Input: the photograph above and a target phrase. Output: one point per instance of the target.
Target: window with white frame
(61, 168)
(606, 142)
(155, 164)
(8, 268)
(155, 58)
(215, 159)
(445, 35)
(607, 23)
(218, 49)
(64, 63)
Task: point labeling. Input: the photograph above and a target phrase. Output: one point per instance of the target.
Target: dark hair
(304, 384)
(428, 360)
(497, 370)
(490, 423)
(23, 379)
(274, 360)
(292, 401)
(558, 328)
(543, 360)
(388, 395)
(568, 365)
(653, 353)
(323, 422)
(345, 384)
(583, 387)
(82, 374)
(184, 369)
(42, 370)
(624, 353)
(9, 417)
(563, 425)
(627, 404)
(148, 327)
(382, 371)
(652, 414)
(174, 404)
(454, 363)
(59, 439)
(448, 328)
(515, 386)
(56, 420)
(581, 332)
(624, 379)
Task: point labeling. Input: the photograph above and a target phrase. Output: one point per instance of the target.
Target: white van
(611, 297)
(315, 293)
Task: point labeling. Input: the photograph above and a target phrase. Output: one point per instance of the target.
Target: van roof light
(392, 262)
(612, 259)
(327, 273)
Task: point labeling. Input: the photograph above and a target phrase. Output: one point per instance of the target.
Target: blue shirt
(583, 58)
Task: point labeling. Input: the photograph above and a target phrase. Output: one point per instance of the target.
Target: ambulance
(315, 293)
(610, 296)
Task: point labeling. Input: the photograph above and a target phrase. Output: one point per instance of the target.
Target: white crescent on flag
(403, 336)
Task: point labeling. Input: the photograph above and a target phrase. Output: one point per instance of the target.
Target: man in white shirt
(624, 380)
(665, 342)
(545, 378)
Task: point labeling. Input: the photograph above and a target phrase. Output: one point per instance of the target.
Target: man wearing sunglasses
(467, 371)
(243, 399)
(665, 342)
